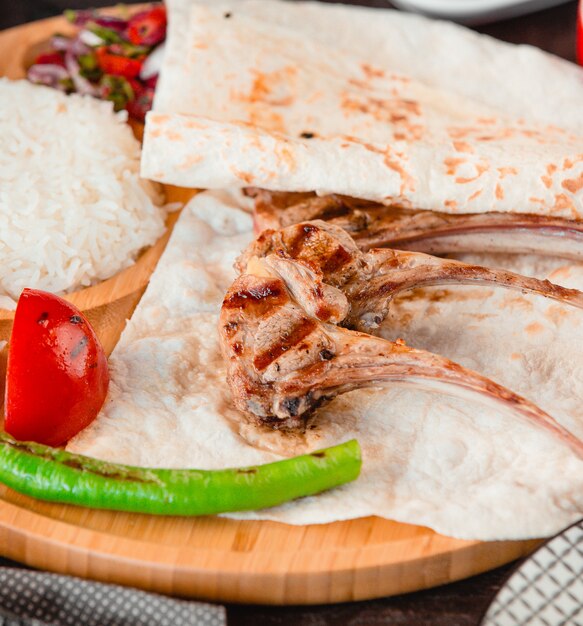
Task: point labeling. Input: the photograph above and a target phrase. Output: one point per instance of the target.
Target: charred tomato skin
(57, 375)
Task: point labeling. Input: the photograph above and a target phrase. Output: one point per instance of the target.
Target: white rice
(73, 210)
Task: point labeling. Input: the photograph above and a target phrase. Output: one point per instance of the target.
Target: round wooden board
(215, 558)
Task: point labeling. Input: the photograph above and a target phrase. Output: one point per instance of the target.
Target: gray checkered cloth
(547, 589)
(29, 598)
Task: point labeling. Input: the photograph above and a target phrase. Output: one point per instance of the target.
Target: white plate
(476, 11)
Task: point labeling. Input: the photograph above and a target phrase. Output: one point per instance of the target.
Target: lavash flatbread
(275, 109)
(523, 81)
(460, 468)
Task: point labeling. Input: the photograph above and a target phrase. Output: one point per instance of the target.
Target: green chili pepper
(107, 35)
(59, 476)
(70, 15)
(116, 89)
(88, 67)
(125, 49)
(67, 84)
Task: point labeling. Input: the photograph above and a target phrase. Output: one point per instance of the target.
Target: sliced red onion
(79, 48)
(61, 43)
(48, 74)
(82, 18)
(153, 63)
(74, 44)
(113, 23)
(90, 39)
(82, 85)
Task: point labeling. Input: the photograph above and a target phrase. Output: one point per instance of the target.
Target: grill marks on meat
(265, 343)
(374, 225)
(369, 281)
(287, 354)
(290, 340)
(258, 297)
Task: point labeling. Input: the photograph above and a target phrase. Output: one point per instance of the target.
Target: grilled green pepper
(58, 476)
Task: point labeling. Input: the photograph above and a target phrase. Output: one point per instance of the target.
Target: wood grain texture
(216, 558)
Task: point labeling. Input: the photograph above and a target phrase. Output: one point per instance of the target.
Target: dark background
(552, 30)
(458, 604)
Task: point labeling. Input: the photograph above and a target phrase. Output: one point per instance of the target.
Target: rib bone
(394, 271)
(283, 363)
(313, 256)
(374, 225)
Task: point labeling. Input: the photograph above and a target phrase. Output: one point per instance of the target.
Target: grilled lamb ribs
(283, 335)
(317, 258)
(375, 225)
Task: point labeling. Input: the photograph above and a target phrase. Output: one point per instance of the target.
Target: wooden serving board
(215, 558)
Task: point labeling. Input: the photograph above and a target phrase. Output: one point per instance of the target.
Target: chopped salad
(110, 57)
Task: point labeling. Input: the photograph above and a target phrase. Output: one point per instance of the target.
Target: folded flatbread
(462, 469)
(273, 108)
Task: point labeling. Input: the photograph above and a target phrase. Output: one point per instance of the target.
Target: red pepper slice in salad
(117, 65)
(50, 58)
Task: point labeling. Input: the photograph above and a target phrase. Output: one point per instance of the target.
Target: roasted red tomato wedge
(57, 374)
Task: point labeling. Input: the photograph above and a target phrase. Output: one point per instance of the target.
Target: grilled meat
(374, 225)
(313, 257)
(286, 350)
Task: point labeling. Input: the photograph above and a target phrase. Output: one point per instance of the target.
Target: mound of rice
(73, 210)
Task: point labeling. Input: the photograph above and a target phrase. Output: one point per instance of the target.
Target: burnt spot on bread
(285, 425)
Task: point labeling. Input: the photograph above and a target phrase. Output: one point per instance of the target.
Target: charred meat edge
(374, 225)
